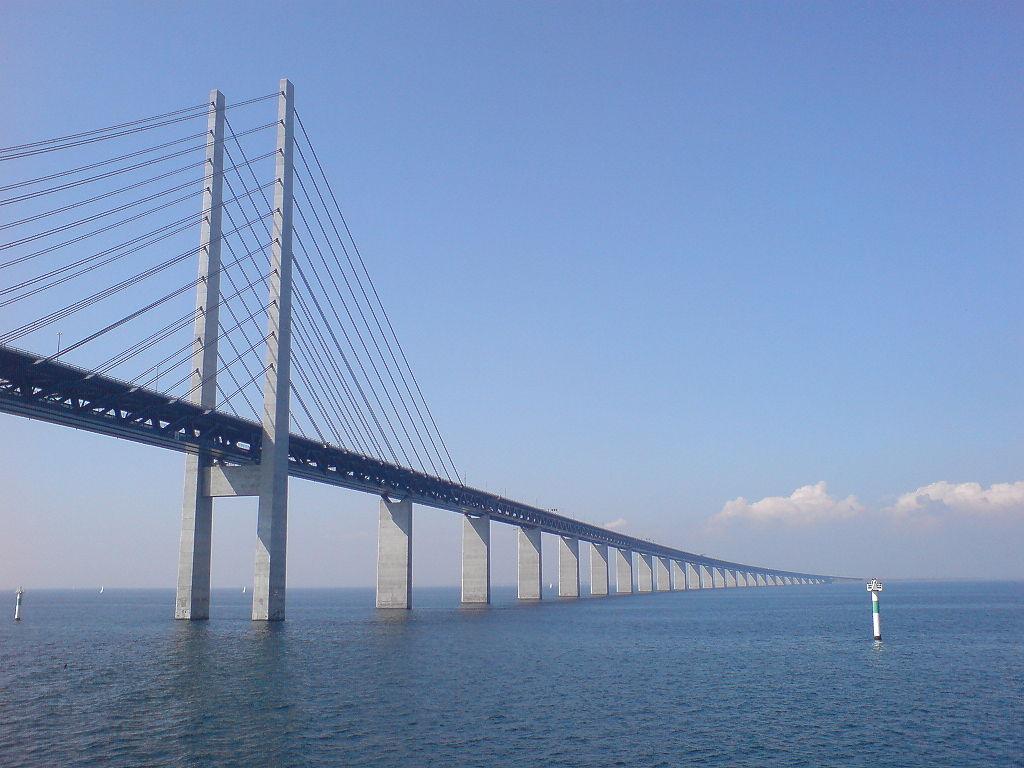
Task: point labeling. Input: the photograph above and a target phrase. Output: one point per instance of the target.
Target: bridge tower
(268, 480)
(192, 600)
(268, 591)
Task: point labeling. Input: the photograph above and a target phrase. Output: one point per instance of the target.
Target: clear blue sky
(647, 259)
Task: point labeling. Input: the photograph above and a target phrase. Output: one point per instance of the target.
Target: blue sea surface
(745, 677)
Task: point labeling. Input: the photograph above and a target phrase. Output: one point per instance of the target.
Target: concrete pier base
(678, 576)
(394, 554)
(623, 572)
(529, 577)
(599, 569)
(476, 559)
(661, 575)
(192, 600)
(644, 573)
(568, 567)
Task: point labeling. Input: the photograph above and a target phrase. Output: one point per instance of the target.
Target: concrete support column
(529, 576)
(644, 573)
(718, 578)
(568, 567)
(192, 600)
(623, 571)
(730, 578)
(598, 569)
(678, 576)
(269, 571)
(704, 576)
(476, 559)
(394, 554)
(692, 572)
(661, 575)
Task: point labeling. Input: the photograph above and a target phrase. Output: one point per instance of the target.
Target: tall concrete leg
(192, 600)
(730, 578)
(661, 574)
(476, 559)
(623, 572)
(644, 573)
(193, 594)
(529, 576)
(717, 579)
(568, 567)
(394, 554)
(599, 569)
(270, 567)
(678, 576)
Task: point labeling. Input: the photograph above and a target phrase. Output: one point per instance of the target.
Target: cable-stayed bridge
(186, 284)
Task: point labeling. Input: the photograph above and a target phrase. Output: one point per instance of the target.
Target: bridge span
(228, 455)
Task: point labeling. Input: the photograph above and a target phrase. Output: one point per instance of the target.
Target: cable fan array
(98, 269)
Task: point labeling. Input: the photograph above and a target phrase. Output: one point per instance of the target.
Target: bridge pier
(529, 577)
(692, 573)
(192, 599)
(661, 575)
(644, 573)
(394, 554)
(718, 578)
(599, 569)
(730, 578)
(678, 576)
(476, 559)
(568, 567)
(623, 572)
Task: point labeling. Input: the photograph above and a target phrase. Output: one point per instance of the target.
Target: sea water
(740, 677)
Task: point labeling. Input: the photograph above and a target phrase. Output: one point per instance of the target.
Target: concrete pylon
(692, 572)
(599, 569)
(529, 576)
(678, 576)
(476, 559)
(394, 554)
(270, 568)
(623, 572)
(568, 567)
(192, 599)
(718, 578)
(644, 573)
(661, 575)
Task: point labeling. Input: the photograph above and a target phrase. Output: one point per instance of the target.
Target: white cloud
(615, 525)
(965, 498)
(807, 504)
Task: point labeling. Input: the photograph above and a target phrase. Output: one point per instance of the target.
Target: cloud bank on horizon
(812, 504)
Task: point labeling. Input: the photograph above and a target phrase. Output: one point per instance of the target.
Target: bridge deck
(59, 393)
